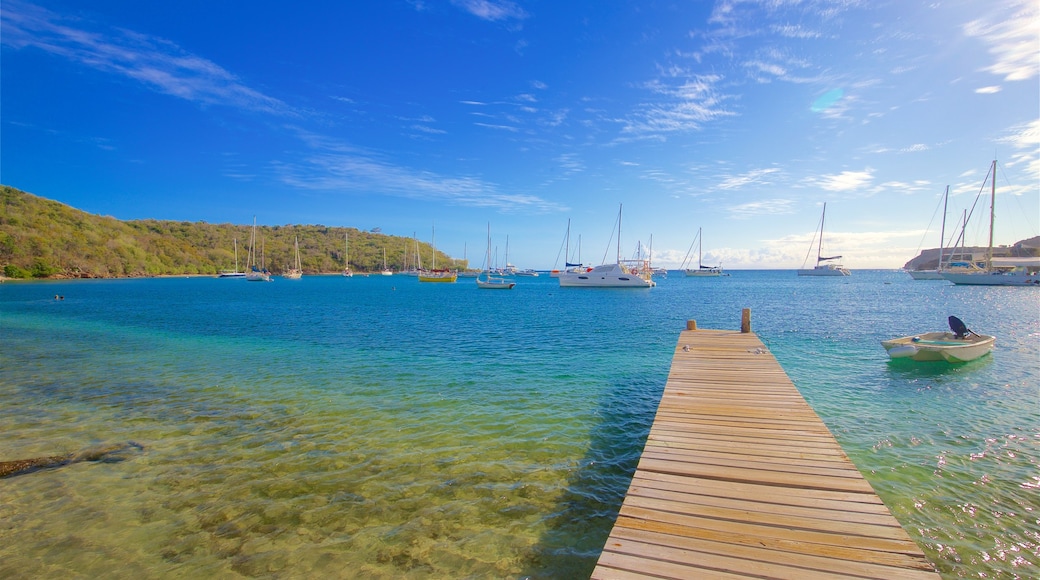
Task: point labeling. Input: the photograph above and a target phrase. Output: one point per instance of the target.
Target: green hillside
(41, 238)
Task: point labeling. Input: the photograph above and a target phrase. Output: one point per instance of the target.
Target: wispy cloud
(332, 165)
(154, 62)
(753, 177)
(1011, 39)
(498, 127)
(687, 105)
(492, 10)
(761, 207)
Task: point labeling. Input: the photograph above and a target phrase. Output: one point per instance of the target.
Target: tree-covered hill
(41, 238)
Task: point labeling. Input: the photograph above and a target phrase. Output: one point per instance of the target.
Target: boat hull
(939, 346)
(925, 274)
(826, 270)
(432, 276)
(495, 284)
(605, 276)
(992, 279)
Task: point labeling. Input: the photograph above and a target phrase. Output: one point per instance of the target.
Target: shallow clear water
(379, 427)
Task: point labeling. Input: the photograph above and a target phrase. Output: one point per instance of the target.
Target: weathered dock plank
(740, 478)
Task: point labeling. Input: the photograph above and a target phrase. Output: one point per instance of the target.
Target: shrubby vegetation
(41, 238)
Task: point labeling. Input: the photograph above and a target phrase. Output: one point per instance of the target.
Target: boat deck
(741, 479)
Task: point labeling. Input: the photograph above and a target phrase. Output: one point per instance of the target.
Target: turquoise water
(382, 428)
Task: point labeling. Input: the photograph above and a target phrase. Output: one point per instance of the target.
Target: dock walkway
(741, 479)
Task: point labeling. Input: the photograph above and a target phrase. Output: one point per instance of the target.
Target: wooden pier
(741, 479)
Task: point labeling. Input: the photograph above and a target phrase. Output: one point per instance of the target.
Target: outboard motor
(958, 327)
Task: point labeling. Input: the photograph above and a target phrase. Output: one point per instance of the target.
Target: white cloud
(1011, 39)
(988, 90)
(844, 181)
(761, 207)
(333, 165)
(686, 106)
(154, 62)
(755, 176)
(492, 10)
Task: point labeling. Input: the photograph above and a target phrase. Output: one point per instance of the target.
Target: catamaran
(617, 274)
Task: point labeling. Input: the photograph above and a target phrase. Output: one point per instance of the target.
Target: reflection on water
(381, 428)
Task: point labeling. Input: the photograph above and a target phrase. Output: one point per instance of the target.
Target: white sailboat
(257, 272)
(935, 274)
(701, 271)
(235, 273)
(296, 272)
(488, 282)
(346, 259)
(555, 273)
(619, 274)
(385, 271)
(822, 268)
(997, 271)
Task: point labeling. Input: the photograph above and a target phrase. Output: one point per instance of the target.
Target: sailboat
(346, 260)
(617, 274)
(935, 274)
(821, 268)
(555, 273)
(257, 272)
(236, 273)
(296, 272)
(386, 271)
(488, 282)
(468, 272)
(701, 271)
(435, 275)
(998, 271)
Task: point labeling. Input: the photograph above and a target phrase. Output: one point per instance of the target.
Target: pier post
(745, 321)
(691, 325)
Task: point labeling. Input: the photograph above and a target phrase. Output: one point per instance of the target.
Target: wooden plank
(740, 478)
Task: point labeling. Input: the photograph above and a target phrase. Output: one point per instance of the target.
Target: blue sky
(741, 117)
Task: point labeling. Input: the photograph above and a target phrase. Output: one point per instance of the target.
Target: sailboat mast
(942, 230)
(567, 245)
(619, 233)
(700, 242)
(819, 246)
(992, 203)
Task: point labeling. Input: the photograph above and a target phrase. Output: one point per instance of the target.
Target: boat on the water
(434, 274)
(385, 271)
(296, 272)
(701, 271)
(346, 259)
(618, 274)
(1023, 271)
(959, 344)
(235, 273)
(936, 273)
(824, 266)
(257, 271)
(488, 282)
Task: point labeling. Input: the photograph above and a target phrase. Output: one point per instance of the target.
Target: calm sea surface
(382, 428)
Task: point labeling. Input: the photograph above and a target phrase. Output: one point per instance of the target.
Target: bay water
(384, 428)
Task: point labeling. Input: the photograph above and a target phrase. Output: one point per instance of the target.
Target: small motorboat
(959, 344)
